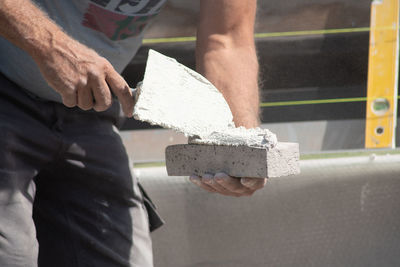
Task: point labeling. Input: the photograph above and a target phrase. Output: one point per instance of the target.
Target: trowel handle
(134, 90)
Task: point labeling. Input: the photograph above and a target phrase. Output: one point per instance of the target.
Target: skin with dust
(176, 97)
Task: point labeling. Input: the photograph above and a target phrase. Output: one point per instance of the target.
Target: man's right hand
(76, 72)
(82, 77)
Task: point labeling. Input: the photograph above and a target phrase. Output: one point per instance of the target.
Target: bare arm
(226, 55)
(78, 73)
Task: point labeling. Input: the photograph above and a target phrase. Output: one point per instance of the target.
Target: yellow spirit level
(382, 75)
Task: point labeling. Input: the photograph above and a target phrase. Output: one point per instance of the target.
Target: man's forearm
(234, 71)
(226, 55)
(26, 26)
(81, 76)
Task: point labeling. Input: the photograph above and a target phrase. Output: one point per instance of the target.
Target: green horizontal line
(169, 40)
(260, 35)
(346, 154)
(313, 102)
(303, 157)
(149, 164)
(310, 32)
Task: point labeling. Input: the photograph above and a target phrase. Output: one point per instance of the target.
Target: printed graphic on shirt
(121, 19)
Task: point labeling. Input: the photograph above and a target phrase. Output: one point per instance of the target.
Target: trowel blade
(174, 96)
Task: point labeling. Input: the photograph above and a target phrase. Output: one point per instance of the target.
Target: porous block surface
(238, 161)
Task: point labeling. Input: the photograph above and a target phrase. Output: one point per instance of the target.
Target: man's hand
(78, 73)
(83, 78)
(227, 185)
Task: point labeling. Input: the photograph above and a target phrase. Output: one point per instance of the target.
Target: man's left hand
(229, 186)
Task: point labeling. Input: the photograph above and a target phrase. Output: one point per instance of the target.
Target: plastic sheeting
(337, 212)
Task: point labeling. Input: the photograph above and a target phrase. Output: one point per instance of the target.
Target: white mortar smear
(176, 97)
(255, 137)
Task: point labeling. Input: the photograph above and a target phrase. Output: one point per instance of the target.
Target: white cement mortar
(176, 97)
(240, 136)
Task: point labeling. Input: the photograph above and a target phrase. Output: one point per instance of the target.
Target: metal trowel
(173, 96)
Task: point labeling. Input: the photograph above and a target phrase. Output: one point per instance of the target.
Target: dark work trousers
(67, 193)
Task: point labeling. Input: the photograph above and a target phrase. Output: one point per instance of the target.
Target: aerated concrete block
(238, 161)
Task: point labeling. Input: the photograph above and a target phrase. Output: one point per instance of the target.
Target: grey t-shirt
(114, 28)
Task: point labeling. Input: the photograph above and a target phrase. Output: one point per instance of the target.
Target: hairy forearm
(226, 55)
(81, 76)
(26, 26)
(234, 71)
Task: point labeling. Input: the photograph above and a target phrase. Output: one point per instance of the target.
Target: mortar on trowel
(176, 97)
